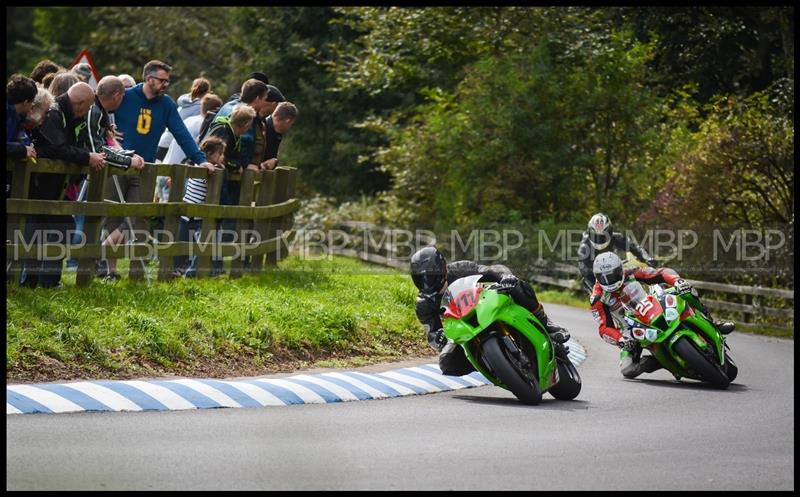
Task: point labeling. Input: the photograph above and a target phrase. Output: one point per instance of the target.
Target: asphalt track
(650, 433)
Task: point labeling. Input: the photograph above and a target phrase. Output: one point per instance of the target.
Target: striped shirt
(196, 191)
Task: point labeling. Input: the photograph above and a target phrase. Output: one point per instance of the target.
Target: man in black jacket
(599, 238)
(431, 275)
(56, 138)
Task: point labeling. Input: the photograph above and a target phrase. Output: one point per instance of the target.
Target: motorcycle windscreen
(462, 296)
(644, 307)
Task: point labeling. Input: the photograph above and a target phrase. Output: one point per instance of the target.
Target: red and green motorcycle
(506, 342)
(682, 339)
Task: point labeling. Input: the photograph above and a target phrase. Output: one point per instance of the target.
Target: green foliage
(193, 40)
(523, 133)
(738, 173)
(725, 50)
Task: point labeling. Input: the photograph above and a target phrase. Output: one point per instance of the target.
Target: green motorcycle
(506, 343)
(682, 339)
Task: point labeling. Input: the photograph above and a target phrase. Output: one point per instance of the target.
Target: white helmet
(608, 271)
(599, 231)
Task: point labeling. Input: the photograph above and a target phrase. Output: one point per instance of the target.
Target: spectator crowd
(55, 113)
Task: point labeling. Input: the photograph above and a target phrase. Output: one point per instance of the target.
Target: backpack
(204, 128)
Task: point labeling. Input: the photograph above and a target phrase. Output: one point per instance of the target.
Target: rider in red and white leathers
(607, 300)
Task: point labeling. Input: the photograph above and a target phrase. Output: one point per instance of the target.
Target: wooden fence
(264, 213)
(749, 312)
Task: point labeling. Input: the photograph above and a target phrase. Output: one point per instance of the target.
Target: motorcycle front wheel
(700, 364)
(506, 367)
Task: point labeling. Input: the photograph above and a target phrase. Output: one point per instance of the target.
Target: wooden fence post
(91, 228)
(246, 195)
(266, 196)
(284, 190)
(15, 229)
(172, 222)
(147, 178)
(208, 229)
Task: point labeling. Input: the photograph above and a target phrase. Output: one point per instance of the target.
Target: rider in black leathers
(599, 238)
(432, 274)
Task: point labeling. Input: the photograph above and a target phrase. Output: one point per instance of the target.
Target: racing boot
(723, 327)
(557, 333)
(632, 364)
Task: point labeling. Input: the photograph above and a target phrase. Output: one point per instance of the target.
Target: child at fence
(196, 192)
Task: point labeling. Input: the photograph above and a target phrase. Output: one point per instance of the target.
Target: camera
(117, 157)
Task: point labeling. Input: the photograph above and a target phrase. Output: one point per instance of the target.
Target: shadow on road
(546, 404)
(688, 384)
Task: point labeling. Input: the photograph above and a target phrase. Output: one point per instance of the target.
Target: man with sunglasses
(431, 274)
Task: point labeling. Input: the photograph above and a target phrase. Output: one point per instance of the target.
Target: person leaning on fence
(20, 94)
(281, 121)
(98, 136)
(255, 94)
(188, 105)
(146, 111)
(41, 104)
(196, 193)
(175, 155)
(230, 129)
(62, 81)
(56, 139)
(43, 68)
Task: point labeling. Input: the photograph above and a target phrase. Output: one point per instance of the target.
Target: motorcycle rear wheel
(524, 387)
(700, 364)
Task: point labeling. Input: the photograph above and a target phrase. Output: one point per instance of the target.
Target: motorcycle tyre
(700, 364)
(496, 355)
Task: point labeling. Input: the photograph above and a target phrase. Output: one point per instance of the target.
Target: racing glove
(437, 340)
(509, 280)
(628, 344)
(683, 287)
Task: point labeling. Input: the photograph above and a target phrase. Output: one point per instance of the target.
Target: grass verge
(302, 314)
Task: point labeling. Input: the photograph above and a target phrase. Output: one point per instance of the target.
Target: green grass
(308, 311)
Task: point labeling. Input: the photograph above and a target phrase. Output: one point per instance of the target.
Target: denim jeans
(80, 221)
(187, 229)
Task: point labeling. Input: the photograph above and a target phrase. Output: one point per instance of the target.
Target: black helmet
(599, 231)
(428, 270)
